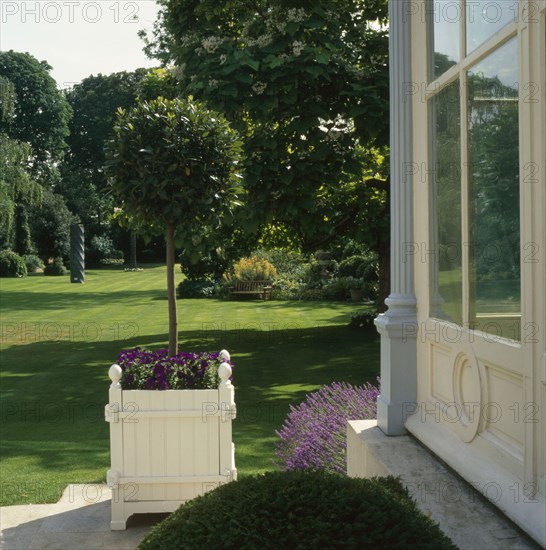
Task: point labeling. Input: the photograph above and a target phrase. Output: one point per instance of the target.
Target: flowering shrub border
(252, 269)
(143, 369)
(314, 434)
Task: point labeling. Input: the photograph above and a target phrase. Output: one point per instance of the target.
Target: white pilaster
(398, 326)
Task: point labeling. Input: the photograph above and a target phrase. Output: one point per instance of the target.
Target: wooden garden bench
(261, 288)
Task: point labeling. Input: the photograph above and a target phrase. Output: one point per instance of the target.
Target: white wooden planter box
(167, 447)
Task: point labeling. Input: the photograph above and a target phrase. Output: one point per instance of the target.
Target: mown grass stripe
(54, 389)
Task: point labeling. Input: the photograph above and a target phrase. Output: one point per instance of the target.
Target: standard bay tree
(173, 168)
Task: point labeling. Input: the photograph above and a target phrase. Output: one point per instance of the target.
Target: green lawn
(59, 339)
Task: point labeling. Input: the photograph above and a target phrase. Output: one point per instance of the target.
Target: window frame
(459, 72)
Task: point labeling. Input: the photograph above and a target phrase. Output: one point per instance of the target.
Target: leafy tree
(94, 102)
(307, 85)
(51, 223)
(17, 190)
(157, 83)
(173, 166)
(41, 113)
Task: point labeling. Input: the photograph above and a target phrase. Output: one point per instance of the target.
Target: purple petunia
(143, 369)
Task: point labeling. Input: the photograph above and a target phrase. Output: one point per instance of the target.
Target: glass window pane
(494, 221)
(445, 200)
(444, 35)
(484, 18)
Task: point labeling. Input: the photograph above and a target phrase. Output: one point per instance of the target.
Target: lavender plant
(314, 434)
(143, 369)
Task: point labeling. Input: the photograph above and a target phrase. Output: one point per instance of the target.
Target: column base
(398, 330)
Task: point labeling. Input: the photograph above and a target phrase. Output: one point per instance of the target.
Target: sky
(78, 38)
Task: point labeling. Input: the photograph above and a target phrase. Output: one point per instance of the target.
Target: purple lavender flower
(314, 433)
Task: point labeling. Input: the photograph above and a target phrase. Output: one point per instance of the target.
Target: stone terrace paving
(76, 522)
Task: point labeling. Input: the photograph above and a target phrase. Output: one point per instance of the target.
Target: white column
(398, 326)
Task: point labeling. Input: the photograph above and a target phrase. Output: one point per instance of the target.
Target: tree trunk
(23, 240)
(171, 291)
(132, 252)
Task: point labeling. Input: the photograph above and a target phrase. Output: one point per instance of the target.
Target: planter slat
(177, 479)
(167, 446)
(129, 416)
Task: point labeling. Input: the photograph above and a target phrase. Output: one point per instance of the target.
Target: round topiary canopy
(300, 510)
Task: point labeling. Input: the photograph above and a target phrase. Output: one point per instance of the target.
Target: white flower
(264, 40)
(335, 129)
(259, 87)
(211, 43)
(188, 39)
(296, 15)
(178, 71)
(297, 47)
(223, 58)
(213, 83)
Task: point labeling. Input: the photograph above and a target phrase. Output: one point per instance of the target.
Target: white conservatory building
(463, 343)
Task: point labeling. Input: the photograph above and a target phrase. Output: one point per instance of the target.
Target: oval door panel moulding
(467, 395)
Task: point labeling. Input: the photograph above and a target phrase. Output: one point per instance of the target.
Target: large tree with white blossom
(306, 83)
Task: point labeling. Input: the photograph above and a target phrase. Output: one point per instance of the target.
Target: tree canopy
(307, 85)
(40, 112)
(172, 162)
(17, 189)
(94, 102)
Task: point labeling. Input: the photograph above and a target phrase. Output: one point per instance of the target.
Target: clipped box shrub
(300, 510)
(56, 268)
(12, 265)
(196, 288)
